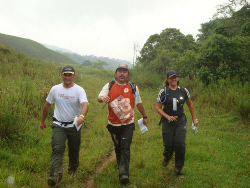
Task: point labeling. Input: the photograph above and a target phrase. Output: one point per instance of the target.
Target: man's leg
(74, 140)
(58, 148)
(115, 135)
(126, 140)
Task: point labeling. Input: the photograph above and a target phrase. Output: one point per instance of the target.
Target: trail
(100, 166)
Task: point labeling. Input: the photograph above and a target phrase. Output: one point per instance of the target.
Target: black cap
(68, 69)
(172, 73)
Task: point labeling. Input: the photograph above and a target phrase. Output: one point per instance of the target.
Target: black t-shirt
(173, 100)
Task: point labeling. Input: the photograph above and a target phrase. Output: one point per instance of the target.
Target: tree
(148, 51)
(87, 63)
(223, 57)
(161, 50)
(227, 21)
(99, 64)
(245, 29)
(228, 9)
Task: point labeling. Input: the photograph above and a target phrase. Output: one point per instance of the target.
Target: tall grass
(219, 151)
(25, 149)
(226, 94)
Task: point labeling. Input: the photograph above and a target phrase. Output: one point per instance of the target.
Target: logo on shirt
(126, 90)
(65, 96)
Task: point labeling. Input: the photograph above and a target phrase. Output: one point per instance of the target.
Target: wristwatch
(82, 116)
(145, 117)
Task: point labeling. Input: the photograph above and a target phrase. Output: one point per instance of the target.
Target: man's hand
(105, 99)
(42, 125)
(80, 120)
(195, 121)
(145, 121)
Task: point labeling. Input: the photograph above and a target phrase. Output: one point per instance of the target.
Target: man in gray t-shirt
(70, 102)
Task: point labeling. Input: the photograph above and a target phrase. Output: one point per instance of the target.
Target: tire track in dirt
(99, 167)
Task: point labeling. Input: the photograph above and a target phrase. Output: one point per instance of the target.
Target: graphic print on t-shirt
(65, 96)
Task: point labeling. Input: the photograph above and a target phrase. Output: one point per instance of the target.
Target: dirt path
(100, 166)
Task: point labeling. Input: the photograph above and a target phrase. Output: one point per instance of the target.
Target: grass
(217, 156)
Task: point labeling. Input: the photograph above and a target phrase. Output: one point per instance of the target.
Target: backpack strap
(133, 86)
(111, 84)
(164, 98)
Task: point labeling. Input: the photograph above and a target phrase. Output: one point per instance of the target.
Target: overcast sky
(108, 28)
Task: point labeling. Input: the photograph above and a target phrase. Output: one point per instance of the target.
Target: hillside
(86, 60)
(33, 49)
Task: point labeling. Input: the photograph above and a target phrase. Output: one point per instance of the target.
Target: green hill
(33, 49)
(85, 60)
(89, 60)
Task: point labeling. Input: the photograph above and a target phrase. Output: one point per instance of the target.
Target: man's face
(68, 79)
(122, 76)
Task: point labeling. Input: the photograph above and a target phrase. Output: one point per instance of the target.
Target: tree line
(220, 51)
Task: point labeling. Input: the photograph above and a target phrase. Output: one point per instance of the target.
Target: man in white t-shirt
(70, 102)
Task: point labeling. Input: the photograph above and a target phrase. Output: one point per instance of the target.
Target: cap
(68, 69)
(172, 73)
(122, 66)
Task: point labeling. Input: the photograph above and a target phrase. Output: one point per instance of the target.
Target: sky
(108, 28)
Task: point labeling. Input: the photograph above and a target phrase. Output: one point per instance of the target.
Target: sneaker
(51, 181)
(165, 162)
(179, 174)
(124, 179)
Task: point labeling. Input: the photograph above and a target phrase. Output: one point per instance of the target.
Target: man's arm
(46, 109)
(84, 111)
(141, 109)
(103, 95)
(101, 99)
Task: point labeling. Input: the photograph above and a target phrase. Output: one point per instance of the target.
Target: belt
(63, 123)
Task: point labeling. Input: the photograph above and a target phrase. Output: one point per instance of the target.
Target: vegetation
(96, 62)
(25, 149)
(33, 49)
(38, 51)
(216, 72)
(221, 50)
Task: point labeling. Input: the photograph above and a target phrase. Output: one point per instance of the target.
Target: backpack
(164, 98)
(133, 86)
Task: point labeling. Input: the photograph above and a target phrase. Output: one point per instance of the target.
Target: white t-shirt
(105, 92)
(67, 102)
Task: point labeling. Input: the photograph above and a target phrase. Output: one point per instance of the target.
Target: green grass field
(217, 156)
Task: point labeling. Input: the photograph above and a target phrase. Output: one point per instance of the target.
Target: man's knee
(58, 149)
(180, 147)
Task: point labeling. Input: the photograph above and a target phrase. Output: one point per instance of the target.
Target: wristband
(145, 117)
(82, 116)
